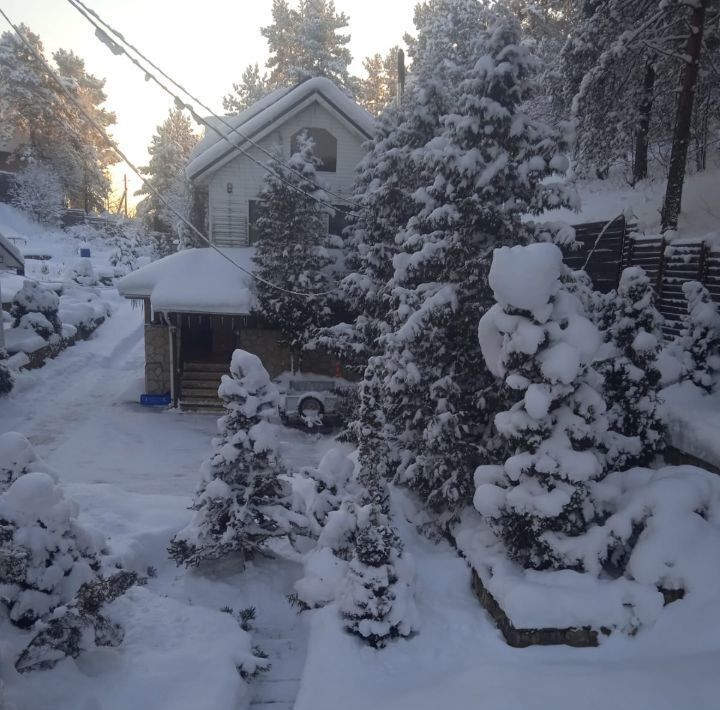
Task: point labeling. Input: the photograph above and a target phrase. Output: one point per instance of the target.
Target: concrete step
(199, 392)
(201, 405)
(219, 367)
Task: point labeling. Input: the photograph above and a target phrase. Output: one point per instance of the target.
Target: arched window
(325, 147)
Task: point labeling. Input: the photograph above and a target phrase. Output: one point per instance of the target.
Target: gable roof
(212, 150)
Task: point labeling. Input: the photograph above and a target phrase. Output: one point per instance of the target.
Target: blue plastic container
(155, 400)
(84, 251)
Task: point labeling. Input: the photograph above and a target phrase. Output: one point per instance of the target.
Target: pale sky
(203, 45)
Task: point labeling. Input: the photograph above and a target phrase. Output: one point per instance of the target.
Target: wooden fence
(604, 249)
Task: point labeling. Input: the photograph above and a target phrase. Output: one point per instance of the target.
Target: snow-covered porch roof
(195, 281)
(10, 256)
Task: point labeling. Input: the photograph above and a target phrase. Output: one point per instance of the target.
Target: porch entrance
(208, 338)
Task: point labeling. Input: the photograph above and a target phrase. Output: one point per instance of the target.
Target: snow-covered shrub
(631, 374)
(46, 554)
(38, 323)
(660, 528)
(700, 337)
(6, 378)
(125, 255)
(377, 598)
(81, 272)
(538, 338)
(243, 499)
(82, 308)
(33, 298)
(38, 191)
(17, 457)
(78, 626)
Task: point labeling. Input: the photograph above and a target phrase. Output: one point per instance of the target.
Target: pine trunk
(681, 136)
(640, 164)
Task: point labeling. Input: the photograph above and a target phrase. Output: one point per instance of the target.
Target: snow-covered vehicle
(312, 402)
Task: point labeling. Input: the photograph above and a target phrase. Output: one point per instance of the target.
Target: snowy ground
(133, 471)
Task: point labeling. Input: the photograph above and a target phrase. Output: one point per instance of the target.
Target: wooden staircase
(199, 386)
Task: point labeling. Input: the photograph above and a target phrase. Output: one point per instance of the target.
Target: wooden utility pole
(125, 193)
(681, 136)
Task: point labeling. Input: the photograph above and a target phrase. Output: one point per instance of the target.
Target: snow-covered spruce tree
(631, 375)
(36, 307)
(700, 337)
(491, 165)
(6, 378)
(80, 626)
(169, 152)
(251, 88)
(290, 250)
(379, 86)
(242, 500)
(45, 555)
(376, 598)
(539, 340)
(304, 42)
(38, 192)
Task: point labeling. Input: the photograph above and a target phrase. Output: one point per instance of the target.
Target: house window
(325, 147)
(338, 221)
(253, 234)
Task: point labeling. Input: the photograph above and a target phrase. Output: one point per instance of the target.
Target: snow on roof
(195, 281)
(212, 149)
(10, 256)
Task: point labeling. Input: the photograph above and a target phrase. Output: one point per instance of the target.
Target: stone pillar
(157, 359)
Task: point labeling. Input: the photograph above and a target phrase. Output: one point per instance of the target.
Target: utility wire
(117, 49)
(111, 143)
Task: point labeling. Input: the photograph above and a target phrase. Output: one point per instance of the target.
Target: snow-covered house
(226, 181)
(199, 306)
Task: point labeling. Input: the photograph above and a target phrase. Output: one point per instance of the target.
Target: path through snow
(133, 471)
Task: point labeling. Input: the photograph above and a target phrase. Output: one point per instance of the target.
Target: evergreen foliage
(169, 153)
(35, 306)
(251, 88)
(632, 377)
(290, 249)
(52, 132)
(540, 340)
(700, 337)
(480, 184)
(6, 378)
(304, 41)
(80, 626)
(37, 190)
(376, 600)
(379, 87)
(242, 501)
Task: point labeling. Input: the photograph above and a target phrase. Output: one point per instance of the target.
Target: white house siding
(247, 177)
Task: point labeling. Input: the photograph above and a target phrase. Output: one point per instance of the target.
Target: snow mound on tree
(525, 277)
(18, 457)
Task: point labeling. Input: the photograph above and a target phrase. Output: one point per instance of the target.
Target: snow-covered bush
(243, 499)
(538, 338)
(78, 626)
(6, 378)
(631, 374)
(82, 308)
(81, 272)
(17, 457)
(660, 528)
(38, 191)
(33, 298)
(46, 555)
(377, 597)
(700, 337)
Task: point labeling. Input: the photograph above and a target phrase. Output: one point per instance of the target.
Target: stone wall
(157, 359)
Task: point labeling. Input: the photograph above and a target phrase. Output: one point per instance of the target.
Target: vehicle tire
(312, 413)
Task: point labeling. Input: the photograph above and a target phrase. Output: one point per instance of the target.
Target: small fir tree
(700, 337)
(251, 88)
(242, 501)
(376, 600)
(539, 339)
(290, 250)
(632, 377)
(37, 190)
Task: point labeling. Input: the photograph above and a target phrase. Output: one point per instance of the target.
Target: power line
(111, 143)
(117, 49)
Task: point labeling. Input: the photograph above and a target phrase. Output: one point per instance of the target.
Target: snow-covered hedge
(33, 298)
